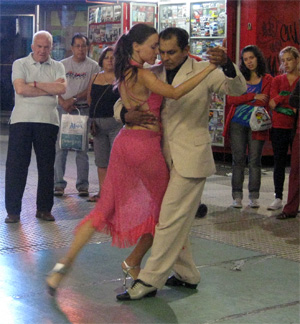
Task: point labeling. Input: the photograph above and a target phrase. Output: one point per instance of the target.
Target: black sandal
(285, 216)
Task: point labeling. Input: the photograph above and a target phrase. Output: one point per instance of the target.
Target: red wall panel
(275, 25)
(248, 22)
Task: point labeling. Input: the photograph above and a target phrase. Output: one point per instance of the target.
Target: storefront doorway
(16, 37)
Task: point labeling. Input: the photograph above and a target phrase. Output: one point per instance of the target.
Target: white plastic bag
(260, 120)
(73, 132)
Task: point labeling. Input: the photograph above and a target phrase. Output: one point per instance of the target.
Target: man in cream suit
(187, 150)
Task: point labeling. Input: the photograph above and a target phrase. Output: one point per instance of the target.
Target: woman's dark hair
(103, 54)
(139, 33)
(180, 33)
(261, 69)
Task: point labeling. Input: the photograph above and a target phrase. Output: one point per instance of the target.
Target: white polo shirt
(36, 109)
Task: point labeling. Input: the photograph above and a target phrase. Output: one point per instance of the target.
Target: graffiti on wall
(274, 36)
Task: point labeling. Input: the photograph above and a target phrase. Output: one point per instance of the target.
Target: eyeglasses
(80, 46)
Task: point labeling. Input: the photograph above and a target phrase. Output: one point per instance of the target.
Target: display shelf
(201, 45)
(208, 29)
(105, 13)
(208, 19)
(207, 37)
(104, 32)
(105, 23)
(104, 27)
(216, 119)
(173, 15)
(143, 13)
(205, 21)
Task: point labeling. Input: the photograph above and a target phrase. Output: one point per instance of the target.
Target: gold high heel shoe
(126, 272)
(59, 268)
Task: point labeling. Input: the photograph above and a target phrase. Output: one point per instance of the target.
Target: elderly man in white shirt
(37, 80)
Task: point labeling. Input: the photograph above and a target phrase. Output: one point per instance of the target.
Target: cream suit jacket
(186, 138)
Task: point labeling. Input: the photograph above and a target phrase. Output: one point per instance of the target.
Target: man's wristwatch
(75, 99)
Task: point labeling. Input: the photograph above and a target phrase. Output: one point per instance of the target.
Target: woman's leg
(136, 256)
(101, 176)
(238, 140)
(101, 150)
(82, 236)
(255, 148)
(281, 139)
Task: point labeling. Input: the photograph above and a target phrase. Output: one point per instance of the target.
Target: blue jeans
(82, 160)
(241, 138)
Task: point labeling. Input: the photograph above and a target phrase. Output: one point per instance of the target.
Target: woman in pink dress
(137, 175)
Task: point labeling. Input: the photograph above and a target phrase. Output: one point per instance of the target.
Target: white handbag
(260, 120)
(73, 132)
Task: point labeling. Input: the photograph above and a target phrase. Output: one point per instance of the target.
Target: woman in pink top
(283, 117)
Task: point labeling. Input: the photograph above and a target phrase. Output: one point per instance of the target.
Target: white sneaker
(276, 204)
(254, 203)
(237, 203)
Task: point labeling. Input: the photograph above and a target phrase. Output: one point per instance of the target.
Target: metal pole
(37, 14)
(238, 33)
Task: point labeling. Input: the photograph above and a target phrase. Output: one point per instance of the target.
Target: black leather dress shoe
(12, 218)
(173, 281)
(46, 216)
(138, 290)
(202, 211)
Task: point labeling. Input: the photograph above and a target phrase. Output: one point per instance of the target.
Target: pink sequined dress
(136, 180)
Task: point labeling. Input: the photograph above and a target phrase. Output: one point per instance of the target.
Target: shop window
(63, 21)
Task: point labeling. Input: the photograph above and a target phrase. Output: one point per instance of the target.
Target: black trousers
(22, 137)
(282, 139)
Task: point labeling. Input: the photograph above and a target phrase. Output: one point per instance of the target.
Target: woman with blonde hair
(283, 117)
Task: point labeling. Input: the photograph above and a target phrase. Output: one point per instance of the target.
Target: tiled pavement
(249, 262)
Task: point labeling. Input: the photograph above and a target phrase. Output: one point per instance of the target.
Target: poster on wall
(104, 27)
(142, 13)
(173, 15)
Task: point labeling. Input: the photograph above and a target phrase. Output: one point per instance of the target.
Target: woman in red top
(253, 66)
(290, 210)
(283, 117)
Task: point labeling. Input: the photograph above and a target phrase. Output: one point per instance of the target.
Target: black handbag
(94, 128)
